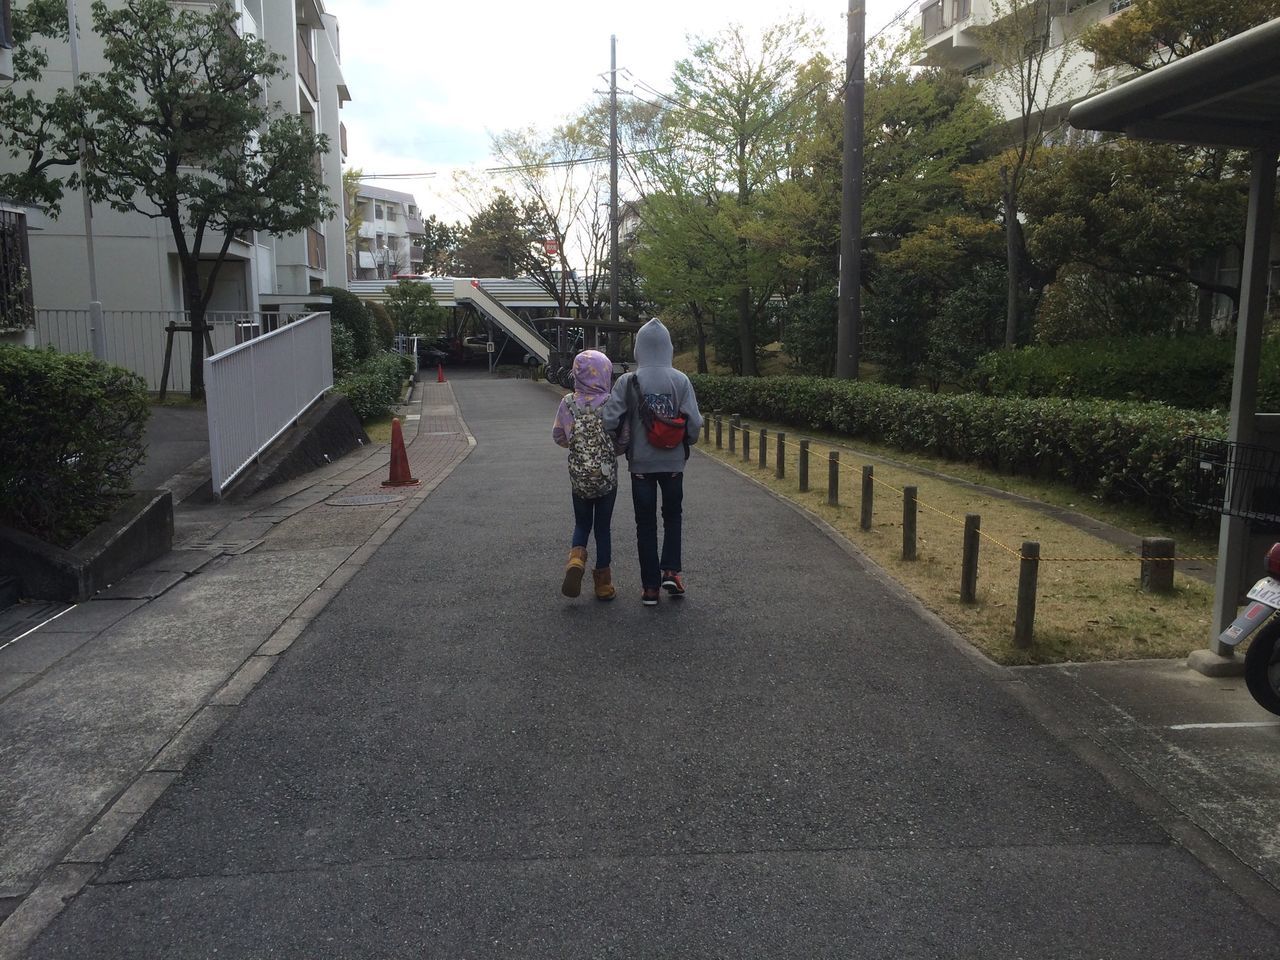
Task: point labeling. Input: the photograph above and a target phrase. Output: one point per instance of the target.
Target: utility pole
(850, 295)
(97, 329)
(613, 179)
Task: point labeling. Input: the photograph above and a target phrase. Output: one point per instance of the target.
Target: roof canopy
(1227, 95)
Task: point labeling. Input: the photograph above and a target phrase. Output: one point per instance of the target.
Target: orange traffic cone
(439, 373)
(400, 476)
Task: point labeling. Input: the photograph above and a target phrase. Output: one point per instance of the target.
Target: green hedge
(71, 434)
(375, 385)
(1190, 372)
(1129, 452)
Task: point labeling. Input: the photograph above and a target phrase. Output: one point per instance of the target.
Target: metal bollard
(719, 433)
(969, 559)
(764, 448)
(833, 479)
(1028, 573)
(780, 468)
(746, 443)
(803, 466)
(868, 496)
(908, 523)
(1157, 565)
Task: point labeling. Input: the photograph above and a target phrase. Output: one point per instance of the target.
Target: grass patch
(1085, 610)
(379, 429)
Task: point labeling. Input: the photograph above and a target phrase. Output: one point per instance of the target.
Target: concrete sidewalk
(101, 707)
(452, 760)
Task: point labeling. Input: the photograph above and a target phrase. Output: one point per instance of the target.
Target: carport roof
(1227, 95)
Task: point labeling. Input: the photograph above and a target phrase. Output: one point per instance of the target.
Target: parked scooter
(1258, 620)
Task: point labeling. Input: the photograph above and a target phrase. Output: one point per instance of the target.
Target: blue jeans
(595, 516)
(644, 497)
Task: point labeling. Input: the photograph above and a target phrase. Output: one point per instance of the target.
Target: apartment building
(390, 238)
(953, 39)
(135, 257)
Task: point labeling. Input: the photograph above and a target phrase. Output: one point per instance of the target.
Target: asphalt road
(455, 761)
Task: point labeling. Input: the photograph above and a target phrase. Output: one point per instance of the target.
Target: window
(377, 211)
(391, 214)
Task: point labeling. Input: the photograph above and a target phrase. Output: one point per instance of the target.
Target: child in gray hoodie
(668, 392)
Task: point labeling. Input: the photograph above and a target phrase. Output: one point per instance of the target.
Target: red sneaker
(673, 583)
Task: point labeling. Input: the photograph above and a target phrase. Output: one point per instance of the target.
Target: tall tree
(502, 239)
(559, 179)
(1152, 33)
(181, 131)
(351, 178)
(1031, 76)
(736, 109)
(39, 132)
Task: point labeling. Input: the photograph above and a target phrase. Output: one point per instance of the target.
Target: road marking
(38, 626)
(1223, 726)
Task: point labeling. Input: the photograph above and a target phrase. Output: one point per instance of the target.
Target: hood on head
(653, 345)
(592, 376)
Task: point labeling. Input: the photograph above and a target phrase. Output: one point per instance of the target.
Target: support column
(1233, 537)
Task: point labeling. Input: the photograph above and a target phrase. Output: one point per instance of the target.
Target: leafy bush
(348, 311)
(375, 385)
(344, 351)
(1130, 452)
(1191, 372)
(71, 433)
(384, 327)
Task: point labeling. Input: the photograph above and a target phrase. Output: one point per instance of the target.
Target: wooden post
(803, 466)
(1028, 572)
(969, 559)
(733, 435)
(868, 495)
(780, 468)
(764, 448)
(1157, 565)
(719, 432)
(746, 443)
(833, 479)
(908, 523)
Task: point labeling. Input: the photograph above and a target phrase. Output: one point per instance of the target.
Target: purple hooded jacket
(592, 381)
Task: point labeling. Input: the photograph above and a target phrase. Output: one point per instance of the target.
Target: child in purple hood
(593, 470)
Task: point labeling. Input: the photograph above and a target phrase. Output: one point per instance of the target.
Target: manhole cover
(364, 500)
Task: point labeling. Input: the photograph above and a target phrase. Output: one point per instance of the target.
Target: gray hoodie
(668, 387)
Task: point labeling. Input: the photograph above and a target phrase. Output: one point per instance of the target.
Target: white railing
(137, 339)
(255, 391)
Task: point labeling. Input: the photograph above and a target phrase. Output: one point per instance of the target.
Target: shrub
(1130, 452)
(71, 434)
(384, 327)
(375, 385)
(1190, 372)
(348, 311)
(344, 351)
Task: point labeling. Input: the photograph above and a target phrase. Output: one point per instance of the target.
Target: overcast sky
(432, 81)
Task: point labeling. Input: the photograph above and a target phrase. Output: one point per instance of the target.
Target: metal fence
(137, 339)
(256, 390)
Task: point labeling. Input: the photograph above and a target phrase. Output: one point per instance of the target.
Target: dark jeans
(595, 515)
(644, 497)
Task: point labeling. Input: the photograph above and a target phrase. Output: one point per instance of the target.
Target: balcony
(307, 64)
(342, 139)
(315, 249)
(943, 15)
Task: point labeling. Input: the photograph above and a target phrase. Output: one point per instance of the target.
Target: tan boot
(604, 583)
(573, 571)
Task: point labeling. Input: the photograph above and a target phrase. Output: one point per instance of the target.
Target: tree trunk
(746, 336)
(192, 300)
(1014, 264)
(701, 331)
